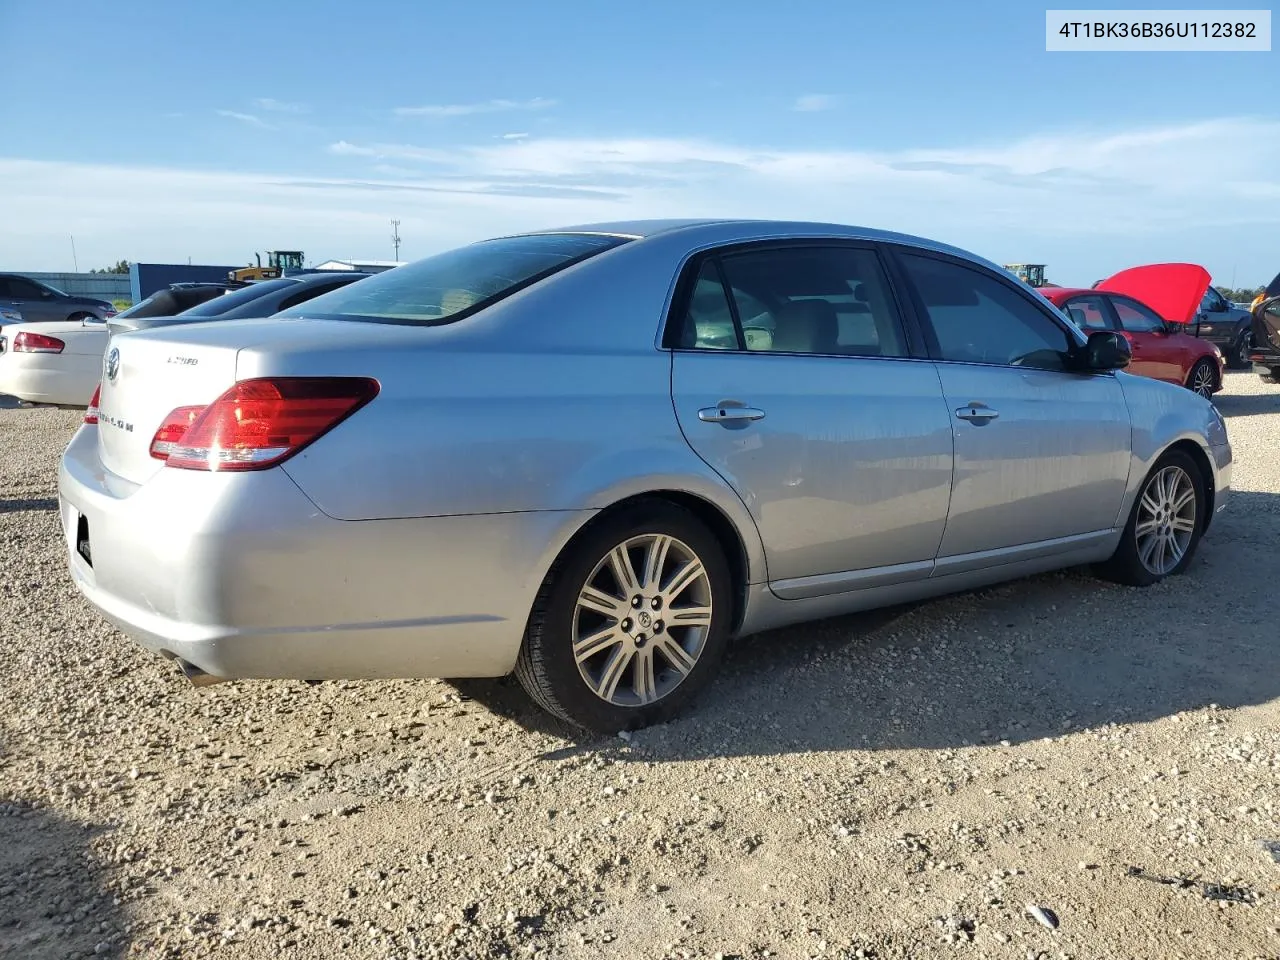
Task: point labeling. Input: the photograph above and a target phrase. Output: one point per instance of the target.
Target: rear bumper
(243, 577)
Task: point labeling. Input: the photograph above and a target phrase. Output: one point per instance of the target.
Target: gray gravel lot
(901, 784)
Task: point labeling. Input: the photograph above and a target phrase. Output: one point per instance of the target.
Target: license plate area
(82, 539)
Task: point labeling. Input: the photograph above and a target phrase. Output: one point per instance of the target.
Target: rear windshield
(229, 301)
(449, 286)
(140, 309)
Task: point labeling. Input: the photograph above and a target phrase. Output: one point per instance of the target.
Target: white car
(58, 362)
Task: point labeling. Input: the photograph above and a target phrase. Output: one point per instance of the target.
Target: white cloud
(1087, 202)
(467, 109)
(514, 136)
(814, 102)
(279, 106)
(246, 118)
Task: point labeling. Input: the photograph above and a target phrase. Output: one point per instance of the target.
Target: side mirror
(1106, 351)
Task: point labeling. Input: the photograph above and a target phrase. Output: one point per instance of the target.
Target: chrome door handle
(977, 413)
(723, 414)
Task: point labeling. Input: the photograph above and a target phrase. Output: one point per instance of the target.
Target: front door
(791, 379)
(1156, 353)
(1041, 454)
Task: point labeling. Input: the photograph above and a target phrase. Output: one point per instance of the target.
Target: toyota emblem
(113, 364)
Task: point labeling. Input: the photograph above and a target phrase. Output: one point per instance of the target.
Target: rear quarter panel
(556, 399)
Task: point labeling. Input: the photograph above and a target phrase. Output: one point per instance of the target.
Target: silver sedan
(590, 456)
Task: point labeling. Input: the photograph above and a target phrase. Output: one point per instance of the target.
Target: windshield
(229, 301)
(449, 286)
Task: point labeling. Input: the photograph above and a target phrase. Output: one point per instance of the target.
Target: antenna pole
(74, 261)
(395, 236)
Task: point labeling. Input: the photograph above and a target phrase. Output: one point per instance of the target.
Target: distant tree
(122, 266)
(1240, 294)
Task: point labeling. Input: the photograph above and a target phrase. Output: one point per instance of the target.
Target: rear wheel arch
(725, 531)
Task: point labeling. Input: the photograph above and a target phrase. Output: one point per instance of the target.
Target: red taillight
(28, 342)
(171, 431)
(259, 423)
(91, 413)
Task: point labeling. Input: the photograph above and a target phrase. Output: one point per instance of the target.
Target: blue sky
(151, 133)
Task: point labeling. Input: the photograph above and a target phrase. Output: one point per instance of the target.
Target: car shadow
(1030, 659)
(1247, 404)
(24, 504)
(54, 902)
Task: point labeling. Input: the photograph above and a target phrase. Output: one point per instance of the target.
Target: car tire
(1203, 378)
(1272, 377)
(617, 682)
(1160, 513)
(1238, 355)
(82, 316)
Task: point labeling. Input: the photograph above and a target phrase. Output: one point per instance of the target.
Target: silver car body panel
(412, 539)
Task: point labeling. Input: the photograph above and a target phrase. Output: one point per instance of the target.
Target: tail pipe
(197, 676)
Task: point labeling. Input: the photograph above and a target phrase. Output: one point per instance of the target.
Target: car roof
(321, 275)
(1061, 293)
(723, 230)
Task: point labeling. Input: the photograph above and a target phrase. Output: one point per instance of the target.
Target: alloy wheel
(642, 619)
(1166, 520)
(1202, 380)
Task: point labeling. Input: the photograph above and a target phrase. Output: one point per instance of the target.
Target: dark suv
(38, 302)
(1264, 352)
(1224, 324)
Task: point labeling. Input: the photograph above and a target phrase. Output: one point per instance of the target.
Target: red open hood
(1173, 290)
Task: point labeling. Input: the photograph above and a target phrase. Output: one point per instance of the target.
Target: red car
(1151, 307)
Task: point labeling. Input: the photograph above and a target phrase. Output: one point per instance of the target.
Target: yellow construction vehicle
(1031, 273)
(279, 262)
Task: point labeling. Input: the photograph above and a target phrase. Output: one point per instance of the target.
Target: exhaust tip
(197, 676)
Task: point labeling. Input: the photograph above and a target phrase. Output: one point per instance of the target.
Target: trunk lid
(1173, 290)
(192, 364)
(152, 376)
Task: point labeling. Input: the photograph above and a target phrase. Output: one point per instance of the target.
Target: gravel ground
(897, 785)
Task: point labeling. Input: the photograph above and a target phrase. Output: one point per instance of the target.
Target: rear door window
(829, 300)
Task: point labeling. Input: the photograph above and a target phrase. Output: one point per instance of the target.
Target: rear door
(1041, 452)
(792, 377)
(1156, 354)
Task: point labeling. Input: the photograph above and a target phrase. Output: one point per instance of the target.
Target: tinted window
(978, 319)
(708, 322)
(819, 300)
(21, 289)
(1088, 313)
(450, 285)
(1212, 300)
(311, 292)
(238, 298)
(1135, 318)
